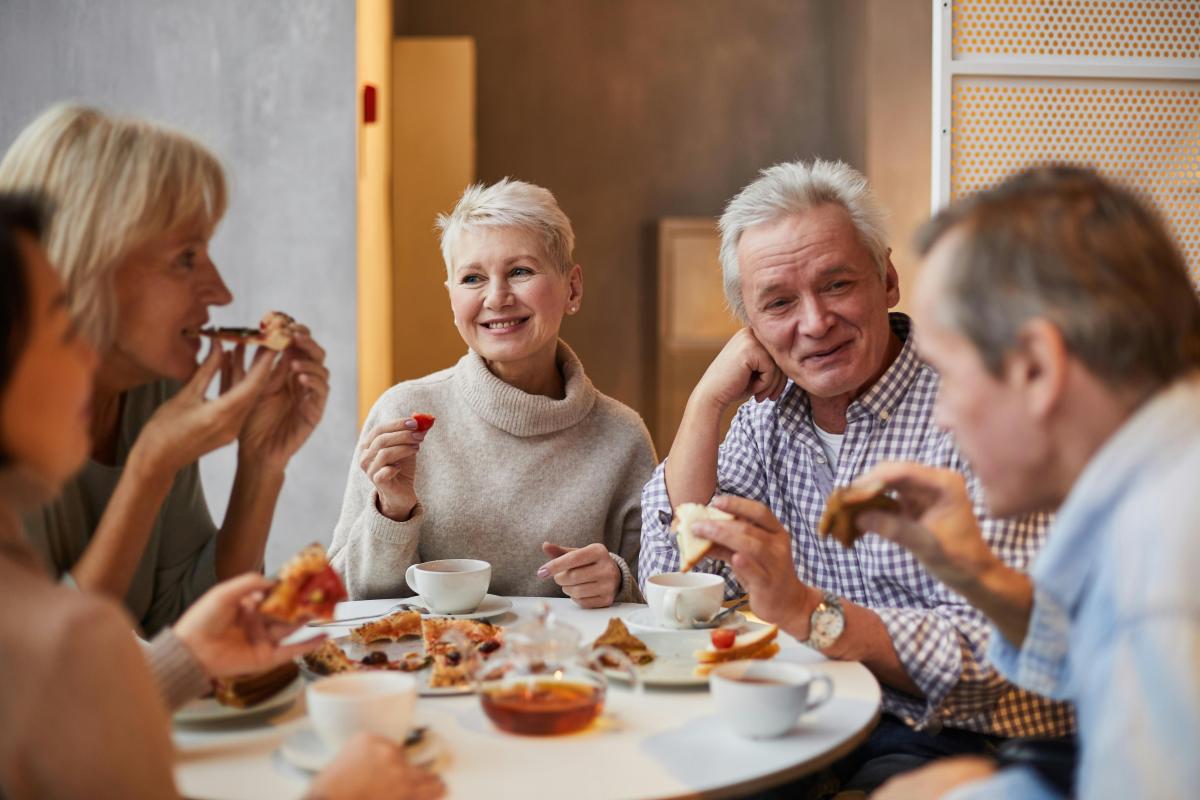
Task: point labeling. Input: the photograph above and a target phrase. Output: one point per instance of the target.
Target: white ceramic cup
(761, 699)
(678, 599)
(452, 585)
(376, 702)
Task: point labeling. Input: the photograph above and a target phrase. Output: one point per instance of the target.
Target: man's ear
(891, 282)
(1038, 366)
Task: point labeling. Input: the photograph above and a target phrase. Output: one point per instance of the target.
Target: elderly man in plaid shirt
(829, 384)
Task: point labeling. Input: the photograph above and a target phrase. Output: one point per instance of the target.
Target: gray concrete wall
(268, 85)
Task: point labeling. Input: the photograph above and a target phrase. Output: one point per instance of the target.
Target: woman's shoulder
(430, 391)
(616, 418)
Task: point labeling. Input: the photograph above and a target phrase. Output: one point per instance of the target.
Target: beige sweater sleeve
(370, 551)
(624, 532)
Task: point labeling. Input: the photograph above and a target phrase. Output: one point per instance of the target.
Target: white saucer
(643, 619)
(493, 605)
(207, 709)
(304, 749)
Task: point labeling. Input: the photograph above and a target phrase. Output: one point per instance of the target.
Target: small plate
(304, 749)
(395, 651)
(643, 620)
(493, 605)
(207, 709)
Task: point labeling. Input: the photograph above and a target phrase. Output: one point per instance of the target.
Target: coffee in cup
(452, 585)
(376, 702)
(682, 599)
(761, 699)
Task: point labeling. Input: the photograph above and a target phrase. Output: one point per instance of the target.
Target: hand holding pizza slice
(275, 331)
(307, 589)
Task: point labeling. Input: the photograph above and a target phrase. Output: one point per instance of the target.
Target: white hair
(791, 188)
(510, 204)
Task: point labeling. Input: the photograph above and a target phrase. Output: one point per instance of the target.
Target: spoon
(392, 610)
(720, 615)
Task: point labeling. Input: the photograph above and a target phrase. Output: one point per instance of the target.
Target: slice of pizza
(329, 659)
(845, 503)
(307, 589)
(392, 628)
(275, 331)
(692, 549)
(444, 639)
(618, 636)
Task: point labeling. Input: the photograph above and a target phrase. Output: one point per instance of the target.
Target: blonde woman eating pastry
(527, 466)
(136, 205)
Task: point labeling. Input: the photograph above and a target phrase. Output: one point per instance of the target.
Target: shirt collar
(881, 399)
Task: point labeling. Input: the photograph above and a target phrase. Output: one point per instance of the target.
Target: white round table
(663, 743)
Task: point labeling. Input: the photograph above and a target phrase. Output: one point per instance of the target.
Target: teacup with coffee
(684, 599)
(762, 699)
(452, 585)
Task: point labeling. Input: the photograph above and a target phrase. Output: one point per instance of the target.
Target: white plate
(643, 620)
(674, 657)
(304, 749)
(493, 605)
(395, 651)
(207, 709)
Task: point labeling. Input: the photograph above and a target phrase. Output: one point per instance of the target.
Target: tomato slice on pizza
(307, 588)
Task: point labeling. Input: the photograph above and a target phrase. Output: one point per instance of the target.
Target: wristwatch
(826, 623)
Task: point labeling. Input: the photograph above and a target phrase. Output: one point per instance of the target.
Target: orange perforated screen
(1144, 134)
(1128, 29)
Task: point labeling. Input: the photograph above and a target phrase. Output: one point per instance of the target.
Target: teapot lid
(543, 638)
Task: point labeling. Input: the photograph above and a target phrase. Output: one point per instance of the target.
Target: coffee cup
(681, 599)
(376, 702)
(761, 699)
(452, 585)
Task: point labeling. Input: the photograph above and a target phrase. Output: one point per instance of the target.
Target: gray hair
(1063, 244)
(510, 204)
(791, 188)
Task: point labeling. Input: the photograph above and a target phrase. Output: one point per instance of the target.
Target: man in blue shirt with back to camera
(1066, 332)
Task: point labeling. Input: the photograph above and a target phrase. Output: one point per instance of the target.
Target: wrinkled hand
(936, 521)
(290, 406)
(227, 635)
(370, 768)
(742, 368)
(188, 425)
(388, 456)
(587, 575)
(936, 779)
(759, 549)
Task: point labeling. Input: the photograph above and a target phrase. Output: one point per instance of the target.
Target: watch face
(827, 625)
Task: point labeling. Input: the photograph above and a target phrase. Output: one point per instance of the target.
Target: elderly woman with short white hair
(527, 466)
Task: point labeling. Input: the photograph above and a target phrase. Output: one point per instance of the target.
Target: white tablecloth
(663, 743)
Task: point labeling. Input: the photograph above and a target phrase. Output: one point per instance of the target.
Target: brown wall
(631, 110)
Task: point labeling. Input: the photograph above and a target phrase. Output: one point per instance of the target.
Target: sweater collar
(520, 414)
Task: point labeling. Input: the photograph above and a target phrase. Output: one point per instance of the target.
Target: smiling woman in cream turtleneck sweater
(528, 466)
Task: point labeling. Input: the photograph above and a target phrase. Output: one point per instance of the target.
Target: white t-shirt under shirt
(831, 443)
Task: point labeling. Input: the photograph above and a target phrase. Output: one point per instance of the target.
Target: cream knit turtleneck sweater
(499, 473)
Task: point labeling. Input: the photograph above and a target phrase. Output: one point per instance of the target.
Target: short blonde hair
(511, 204)
(114, 183)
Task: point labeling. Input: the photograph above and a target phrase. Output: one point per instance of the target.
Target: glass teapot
(544, 681)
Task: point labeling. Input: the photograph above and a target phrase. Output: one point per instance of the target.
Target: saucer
(643, 619)
(303, 748)
(207, 709)
(493, 605)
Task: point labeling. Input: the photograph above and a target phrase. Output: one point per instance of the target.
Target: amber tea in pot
(543, 707)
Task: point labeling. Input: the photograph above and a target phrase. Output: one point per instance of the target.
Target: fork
(392, 610)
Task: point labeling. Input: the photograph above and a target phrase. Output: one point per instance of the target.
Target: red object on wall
(369, 104)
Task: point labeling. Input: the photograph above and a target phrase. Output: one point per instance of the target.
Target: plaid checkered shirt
(772, 454)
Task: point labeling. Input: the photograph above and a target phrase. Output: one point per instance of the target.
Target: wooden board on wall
(693, 321)
(433, 161)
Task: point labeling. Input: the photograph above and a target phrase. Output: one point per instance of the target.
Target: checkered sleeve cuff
(930, 650)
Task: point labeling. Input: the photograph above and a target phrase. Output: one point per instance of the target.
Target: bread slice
(744, 646)
(762, 654)
(692, 550)
(845, 503)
